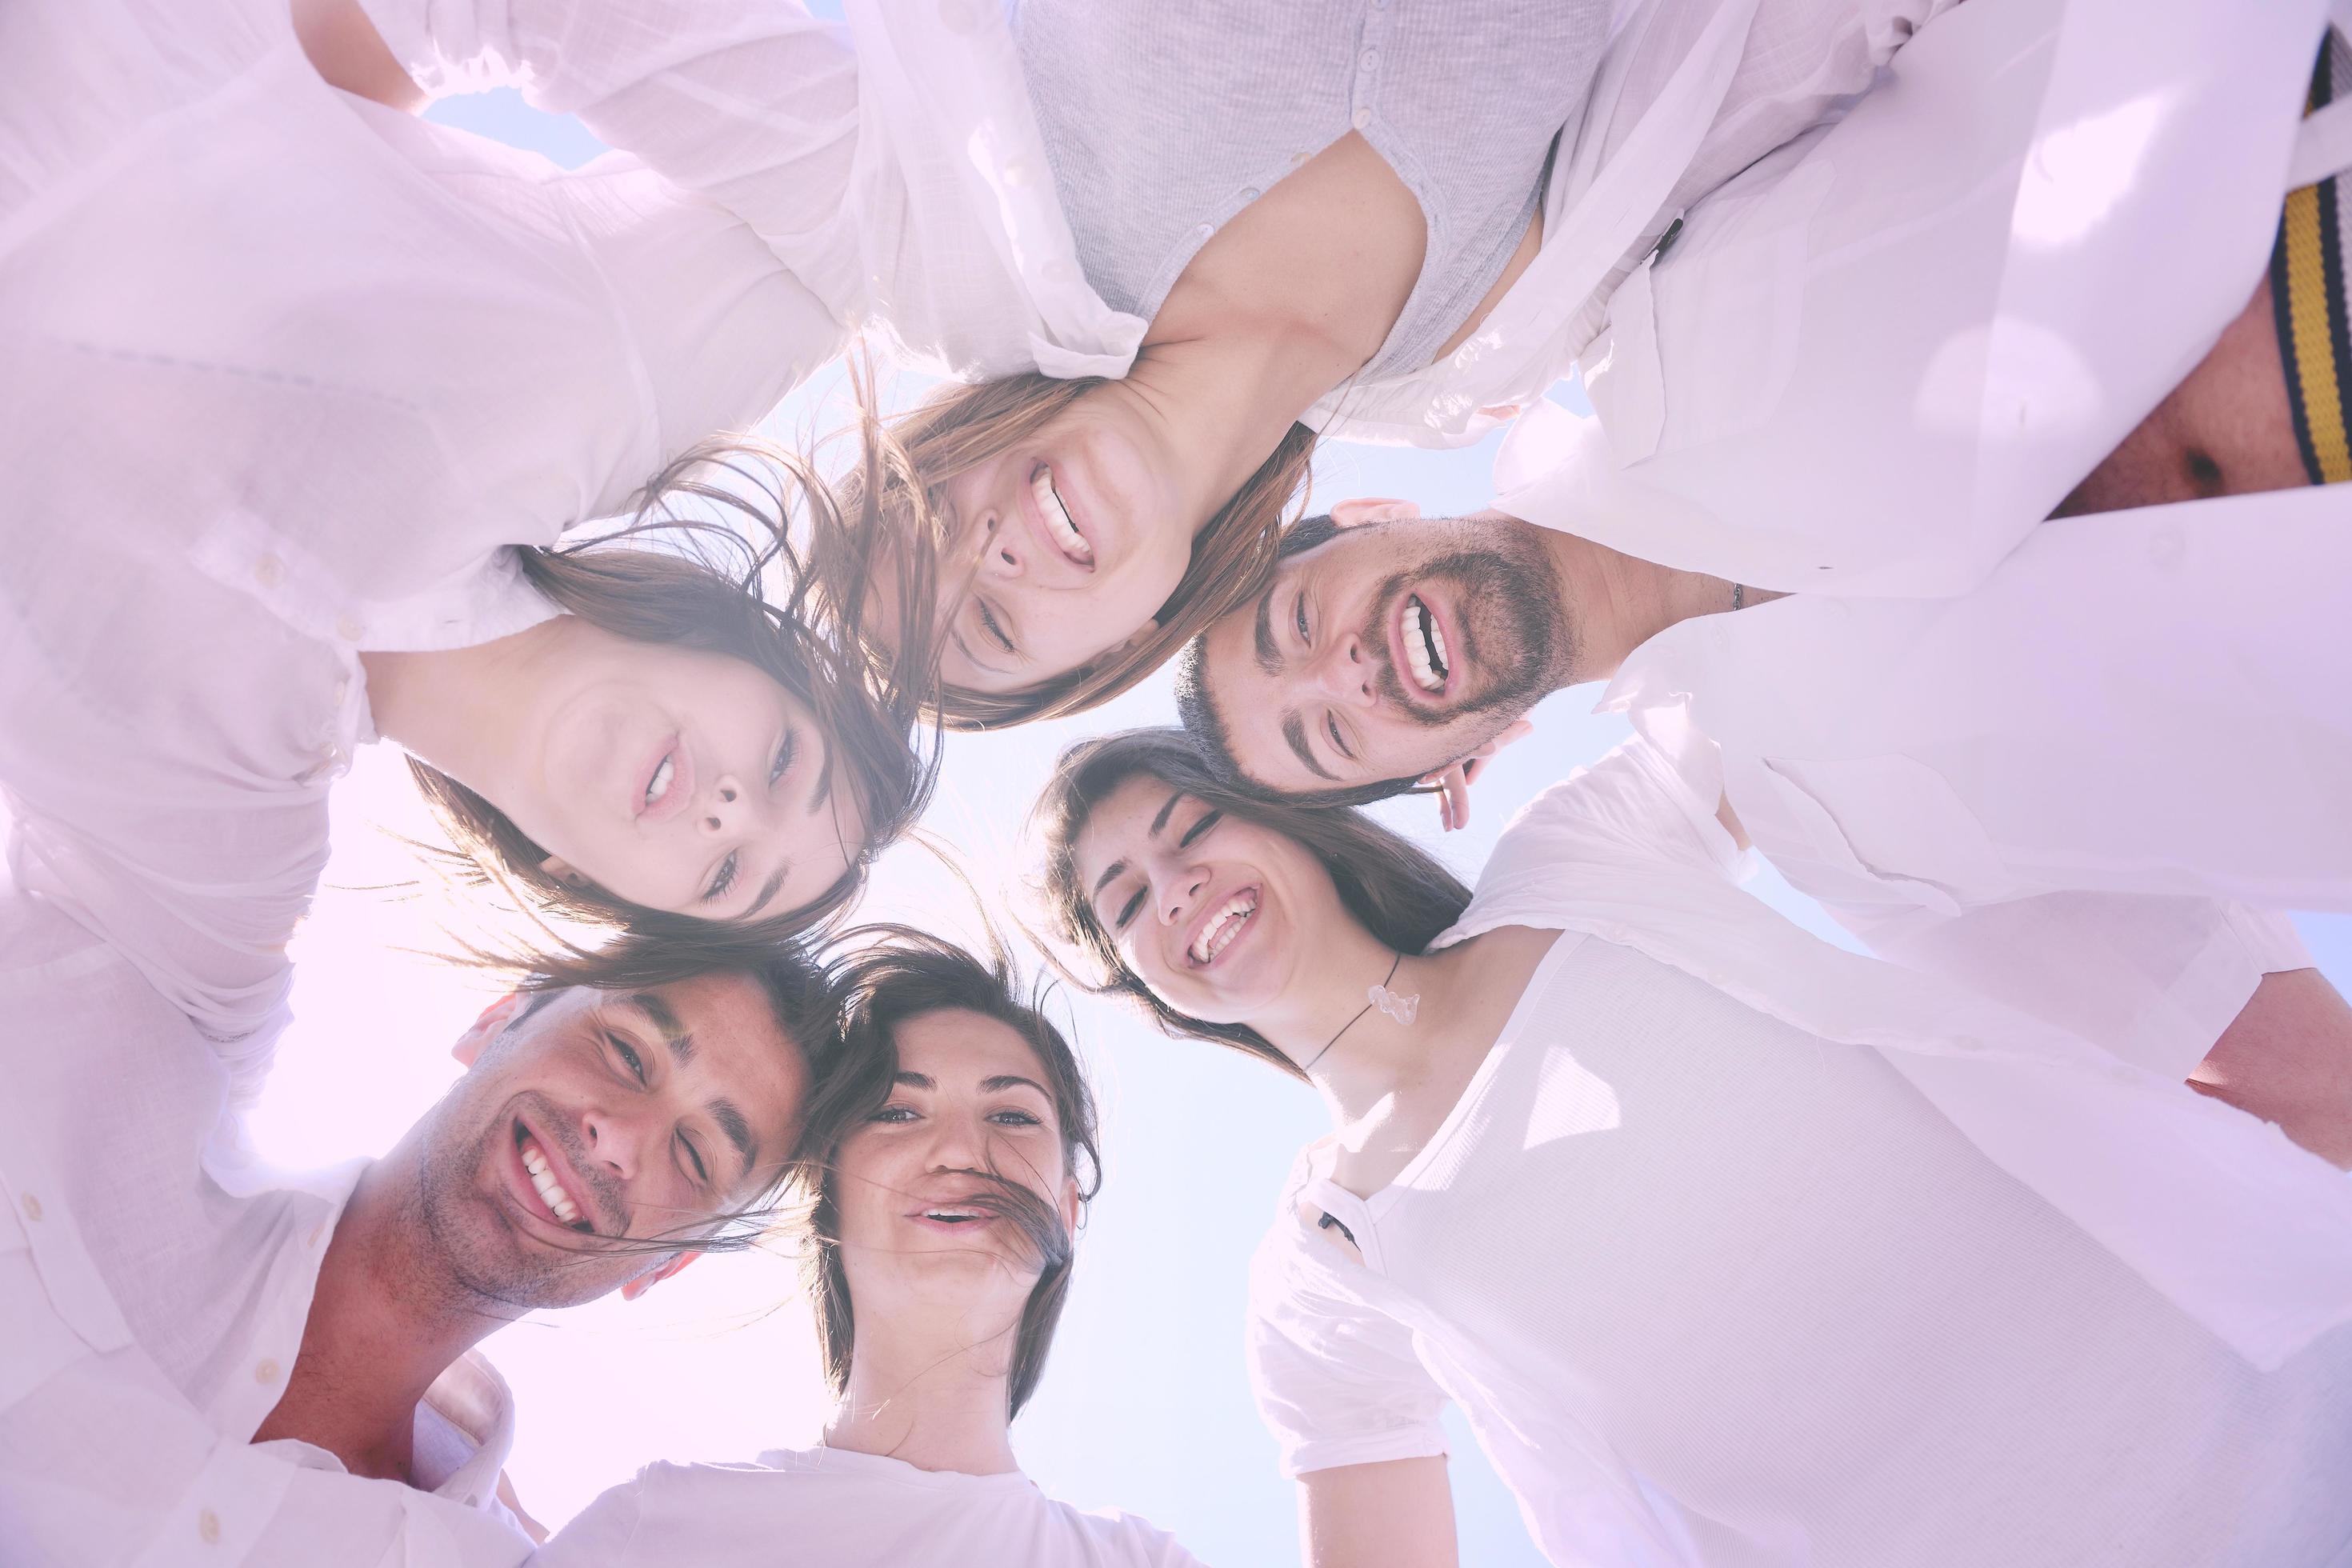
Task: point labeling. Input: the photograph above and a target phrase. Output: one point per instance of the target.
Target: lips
(546, 1183)
(664, 783)
(1422, 653)
(1221, 927)
(1052, 525)
(961, 1214)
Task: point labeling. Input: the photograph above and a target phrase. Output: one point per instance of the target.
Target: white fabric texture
(1715, 1282)
(2073, 787)
(361, 354)
(155, 1281)
(1871, 362)
(847, 1511)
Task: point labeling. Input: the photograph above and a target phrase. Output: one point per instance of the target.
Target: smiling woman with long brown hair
(948, 1155)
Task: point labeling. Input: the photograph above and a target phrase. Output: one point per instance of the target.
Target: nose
(958, 1142)
(1343, 674)
(1176, 891)
(1003, 553)
(725, 809)
(616, 1142)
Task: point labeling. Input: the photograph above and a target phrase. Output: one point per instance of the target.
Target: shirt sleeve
(1335, 1381)
(602, 1534)
(752, 104)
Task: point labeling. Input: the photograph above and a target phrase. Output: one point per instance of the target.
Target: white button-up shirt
(2066, 787)
(1872, 362)
(155, 1283)
(1742, 1249)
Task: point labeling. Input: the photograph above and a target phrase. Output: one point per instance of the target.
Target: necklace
(1738, 596)
(1377, 996)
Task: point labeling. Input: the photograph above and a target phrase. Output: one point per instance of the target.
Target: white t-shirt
(847, 1511)
(1711, 1289)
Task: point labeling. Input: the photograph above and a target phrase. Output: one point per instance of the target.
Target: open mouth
(1225, 924)
(952, 1216)
(1058, 526)
(666, 783)
(559, 1204)
(1425, 646)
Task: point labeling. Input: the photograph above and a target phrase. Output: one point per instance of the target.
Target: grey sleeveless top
(1164, 118)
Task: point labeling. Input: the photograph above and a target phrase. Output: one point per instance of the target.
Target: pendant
(1401, 1008)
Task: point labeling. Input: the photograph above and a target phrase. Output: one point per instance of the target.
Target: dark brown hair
(1399, 893)
(670, 577)
(883, 976)
(895, 500)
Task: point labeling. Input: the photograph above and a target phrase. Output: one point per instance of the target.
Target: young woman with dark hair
(1734, 1247)
(948, 1155)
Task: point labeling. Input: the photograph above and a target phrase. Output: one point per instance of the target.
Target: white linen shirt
(155, 1283)
(2073, 787)
(1716, 1283)
(847, 1511)
(1875, 360)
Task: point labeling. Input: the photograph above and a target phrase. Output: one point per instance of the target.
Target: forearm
(1395, 1514)
(348, 52)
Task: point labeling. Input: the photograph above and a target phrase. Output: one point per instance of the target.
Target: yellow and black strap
(2307, 293)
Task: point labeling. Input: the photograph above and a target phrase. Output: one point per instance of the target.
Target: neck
(936, 1400)
(385, 1321)
(1226, 399)
(1616, 602)
(460, 708)
(1358, 1066)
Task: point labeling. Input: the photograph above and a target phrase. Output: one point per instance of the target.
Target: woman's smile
(1223, 924)
(1048, 510)
(662, 787)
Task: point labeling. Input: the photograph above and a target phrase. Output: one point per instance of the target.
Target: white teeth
(550, 1192)
(659, 786)
(1057, 517)
(1223, 927)
(1425, 648)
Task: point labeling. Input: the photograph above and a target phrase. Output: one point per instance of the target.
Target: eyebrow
(731, 1122)
(1011, 1079)
(675, 1036)
(1167, 808)
(768, 890)
(1269, 657)
(1294, 730)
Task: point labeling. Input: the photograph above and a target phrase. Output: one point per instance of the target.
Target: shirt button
(348, 629)
(342, 691)
(1298, 158)
(1204, 231)
(265, 1370)
(317, 1233)
(208, 1527)
(32, 1208)
(1249, 193)
(1372, 59)
(1017, 172)
(1363, 117)
(269, 571)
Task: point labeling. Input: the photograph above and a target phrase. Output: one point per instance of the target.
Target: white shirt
(1871, 362)
(155, 1283)
(1726, 1262)
(2066, 787)
(280, 373)
(847, 1511)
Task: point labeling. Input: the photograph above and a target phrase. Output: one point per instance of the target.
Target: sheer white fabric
(155, 1281)
(849, 1510)
(1740, 1249)
(2074, 786)
(1871, 362)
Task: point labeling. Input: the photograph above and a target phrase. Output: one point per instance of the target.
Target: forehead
(731, 1041)
(957, 1048)
(1120, 822)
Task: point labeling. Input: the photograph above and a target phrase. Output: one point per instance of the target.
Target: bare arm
(347, 51)
(1395, 1514)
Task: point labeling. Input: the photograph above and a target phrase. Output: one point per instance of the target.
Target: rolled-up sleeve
(1336, 1382)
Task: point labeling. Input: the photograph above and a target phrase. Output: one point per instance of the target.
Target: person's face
(1221, 918)
(1063, 549)
(684, 780)
(602, 1116)
(913, 1184)
(1390, 651)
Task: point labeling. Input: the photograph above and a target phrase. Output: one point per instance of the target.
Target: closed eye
(1331, 723)
(1209, 819)
(701, 1172)
(722, 879)
(785, 752)
(1128, 911)
(989, 625)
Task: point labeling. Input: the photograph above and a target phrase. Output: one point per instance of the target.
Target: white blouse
(280, 374)
(1717, 1278)
(2073, 786)
(1872, 362)
(155, 1281)
(846, 1511)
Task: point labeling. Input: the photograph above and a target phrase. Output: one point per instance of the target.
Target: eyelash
(1331, 723)
(722, 882)
(900, 1115)
(701, 1171)
(1300, 618)
(629, 1058)
(1209, 819)
(988, 621)
(785, 752)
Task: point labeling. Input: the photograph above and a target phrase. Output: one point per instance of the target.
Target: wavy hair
(1399, 892)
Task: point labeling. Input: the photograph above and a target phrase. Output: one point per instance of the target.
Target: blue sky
(1144, 1406)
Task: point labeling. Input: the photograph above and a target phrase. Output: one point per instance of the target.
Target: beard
(1510, 623)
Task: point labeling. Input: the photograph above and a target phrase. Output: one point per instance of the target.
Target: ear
(1372, 508)
(1070, 1205)
(487, 1026)
(644, 1282)
(560, 868)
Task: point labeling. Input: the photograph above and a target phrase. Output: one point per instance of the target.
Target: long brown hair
(895, 500)
(883, 976)
(668, 576)
(1399, 892)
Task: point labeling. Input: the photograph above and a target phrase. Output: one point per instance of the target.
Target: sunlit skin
(657, 1115)
(670, 777)
(937, 1296)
